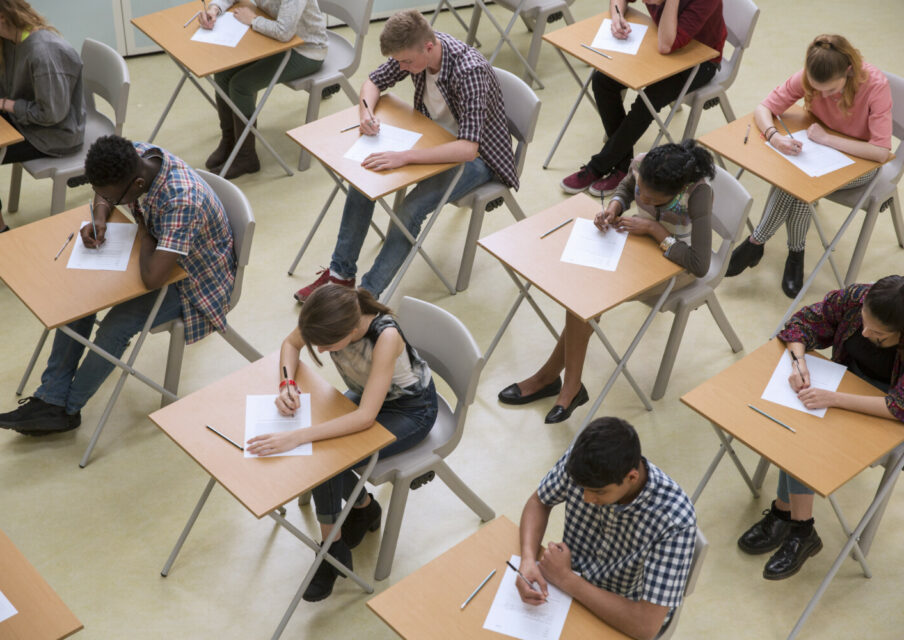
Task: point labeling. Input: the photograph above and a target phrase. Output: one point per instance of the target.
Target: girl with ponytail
(864, 325)
(674, 204)
(386, 378)
(847, 95)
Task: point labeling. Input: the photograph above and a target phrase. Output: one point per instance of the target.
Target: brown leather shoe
(246, 160)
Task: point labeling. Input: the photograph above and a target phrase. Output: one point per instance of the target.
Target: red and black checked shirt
(470, 88)
(187, 218)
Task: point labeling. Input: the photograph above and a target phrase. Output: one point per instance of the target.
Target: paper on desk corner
(7, 610)
(606, 41)
(389, 138)
(262, 417)
(824, 374)
(590, 247)
(815, 159)
(112, 255)
(226, 32)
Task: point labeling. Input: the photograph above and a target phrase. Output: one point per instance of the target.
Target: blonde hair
(830, 57)
(405, 30)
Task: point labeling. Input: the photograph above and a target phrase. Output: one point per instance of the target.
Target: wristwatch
(666, 244)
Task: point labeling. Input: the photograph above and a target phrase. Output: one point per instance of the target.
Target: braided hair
(668, 168)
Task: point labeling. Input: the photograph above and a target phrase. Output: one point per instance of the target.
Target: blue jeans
(416, 206)
(65, 386)
(409, 419)
(788, 485)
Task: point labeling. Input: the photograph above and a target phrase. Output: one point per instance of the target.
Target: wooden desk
(824, 453)
(426, 604)
(759, 159)
(8, 135)
(41, 614)
(636, 72)
(58, 296)
(583, 291)
(263, 485)
(325, 140)
(202, 60)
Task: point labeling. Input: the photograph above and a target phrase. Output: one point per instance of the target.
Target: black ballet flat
(560, 414)
(512, 394)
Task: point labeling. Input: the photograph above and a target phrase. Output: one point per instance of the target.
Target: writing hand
(800, 375)
(787, 145)
(607, 216)
(287, 402)
(621, 28)
(87, 234)
(209, 17)
(370, 126)
(384, 160)
(529, 594)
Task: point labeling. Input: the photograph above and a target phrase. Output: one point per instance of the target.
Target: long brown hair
(830, 57)
(332, 312)
(20, 15)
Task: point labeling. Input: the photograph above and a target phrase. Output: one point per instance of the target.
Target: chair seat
(485, 192)
(419, 456)
(884, 189)
(342, 54)
(74, 163)
(717, 84)
(534, 6)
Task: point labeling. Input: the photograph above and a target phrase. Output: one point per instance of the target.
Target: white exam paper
(112, 255)
(824, 374)
(389, 138)
(7, 610)
(227, 31)
(606, 41)
(510, 616)
(590, 247)
(815, 159)
(262, 416)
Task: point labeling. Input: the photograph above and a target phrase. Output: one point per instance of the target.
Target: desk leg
(417, 242)
(316, 225)
(321, 551)
(724, 447)
(127, 368)
(523, 294)
(574, 107)
(664, 127)
(169, 105)
(464, 25)
(760, 474)
(250, 129)
(505, 38)
(878, 501)
(858, 553)
(825, 245)
(188, 526)
(31, 363)
(825, 256)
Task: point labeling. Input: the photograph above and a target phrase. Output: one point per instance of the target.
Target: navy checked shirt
(641, 550)
(470, 88)
(187, 218)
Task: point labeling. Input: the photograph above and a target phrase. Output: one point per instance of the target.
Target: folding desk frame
(249, 127)
(620, 361)
(859, 539)
(505, 38)
(416, 243)
(320, 551)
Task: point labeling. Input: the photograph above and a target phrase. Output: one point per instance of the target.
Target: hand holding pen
(370, 126)
(525, 584)
(94, 234)
(287, 402)
(800, 375)
(620, 28)
(607, 217)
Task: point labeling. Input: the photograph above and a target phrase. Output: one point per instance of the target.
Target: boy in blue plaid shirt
(629, 532)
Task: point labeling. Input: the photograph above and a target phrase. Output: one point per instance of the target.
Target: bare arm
(859, 148)
(156, 266)
(534, 519)
(621, 28)
(814, 398)
(370, 94)
(786, 144)
(668, 26)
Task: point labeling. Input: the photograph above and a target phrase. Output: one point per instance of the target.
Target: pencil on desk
(65, 244)
(192, 19)
(354, 126)
(763, 413)
(479, 587)
(556, 228)
(227, 439)
(587, 46)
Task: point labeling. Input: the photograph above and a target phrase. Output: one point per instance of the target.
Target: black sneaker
(322, 583)
(36, 417)
(360, 521)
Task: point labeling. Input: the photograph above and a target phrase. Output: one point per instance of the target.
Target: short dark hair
(111, 160)
(668, 168)
(885, 300)
(604, 453)
(405, 30)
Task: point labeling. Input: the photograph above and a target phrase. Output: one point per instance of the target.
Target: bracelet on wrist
(290, 382)
(769, 137)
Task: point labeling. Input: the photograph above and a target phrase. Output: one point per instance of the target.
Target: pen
(618, 11)
(556, 228)
(65, 244)
(369, 112)
(229, 440)
(479, 587)
(794, 357)
(747, 135)
(192, 19)
(521, 575)
(587, 46)
(354, 126)
(779, 118)
(93, 226)
(763, 413)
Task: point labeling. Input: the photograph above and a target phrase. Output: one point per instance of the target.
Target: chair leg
(513, 206)
(693, 119)
(895, 211)
(58, 196)
(866, 232)
(671, 351)
(470, 251)
(464, 492)
(174, 362)
(536, 41)
(391, 527)
(727, 111)
(15, 185)
(712, 302)
(472, 28)
(349, 90)
(240, 344)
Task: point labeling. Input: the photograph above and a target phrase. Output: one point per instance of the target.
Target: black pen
(747, 135)
(227, 439)
(370, 113)
(521, 575)
(93, 226)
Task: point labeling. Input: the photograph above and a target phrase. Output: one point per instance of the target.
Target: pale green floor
(100, 535)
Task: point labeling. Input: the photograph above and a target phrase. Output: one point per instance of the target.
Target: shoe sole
(571, 190)
(758, 552)
(532, 397)
(40, 434)
(326, 595)
(782, 576)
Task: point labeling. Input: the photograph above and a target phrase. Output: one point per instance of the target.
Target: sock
(802, 528)
(781, 514)
(338, 276)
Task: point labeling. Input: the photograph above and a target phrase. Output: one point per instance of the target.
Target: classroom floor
(100, 535)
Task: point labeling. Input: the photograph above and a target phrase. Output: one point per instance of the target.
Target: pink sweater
(869, 118)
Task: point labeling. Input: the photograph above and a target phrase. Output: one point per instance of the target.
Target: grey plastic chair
(740, 18)
(885, 191)
(701, 544)
(104, 74)
(453, 355)
(522, 109)
(731, 206)
(241, 219)
(535, 14)
(341, 62)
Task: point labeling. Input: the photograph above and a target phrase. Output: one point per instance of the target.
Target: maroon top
(697, 20)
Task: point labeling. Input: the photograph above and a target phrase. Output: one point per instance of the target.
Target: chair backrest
(104, 73)
(241, 219)
(356, 14)
(701, 544)
(740, 19)
(731, 206)
(522, 110)
(449, 348)
(896, 166)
